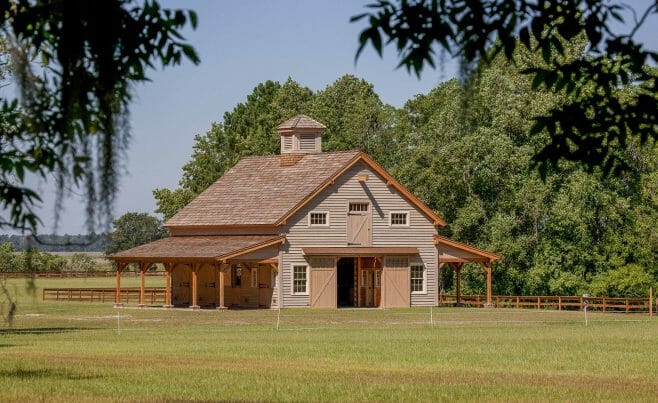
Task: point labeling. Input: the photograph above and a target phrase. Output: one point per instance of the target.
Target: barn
(305, 228)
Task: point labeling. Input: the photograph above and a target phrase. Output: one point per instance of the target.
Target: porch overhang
(197, 249)
(451, 251)
(359, 251)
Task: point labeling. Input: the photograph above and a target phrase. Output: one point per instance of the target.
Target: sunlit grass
(70, 351)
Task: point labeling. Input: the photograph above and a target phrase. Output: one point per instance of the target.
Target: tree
(598, 121)
(353, 113)
(134, 229)
(70, 119)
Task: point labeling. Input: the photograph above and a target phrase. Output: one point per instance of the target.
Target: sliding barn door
(395, 288)
(323, 288)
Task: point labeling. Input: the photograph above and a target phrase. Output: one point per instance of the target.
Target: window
(397, 262)
(307, 142)
(417, 278)
(358, 207)
(254, 278)
(399, 218)
(299, 280)
(287, 143)
(378, 278)
(318, 218)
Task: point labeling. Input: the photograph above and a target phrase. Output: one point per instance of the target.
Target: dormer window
(307, 142)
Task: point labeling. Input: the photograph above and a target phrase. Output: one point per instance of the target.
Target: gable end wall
(383, 199)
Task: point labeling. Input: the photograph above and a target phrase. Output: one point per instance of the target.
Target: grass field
(71, 351)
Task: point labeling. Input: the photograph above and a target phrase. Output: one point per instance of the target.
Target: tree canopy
(75, 63)
(134, 229)
(611, 94)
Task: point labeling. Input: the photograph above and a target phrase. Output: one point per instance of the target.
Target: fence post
(650, 301)
(538, 302)
(626, 301)
(603, 304)
(559, 303)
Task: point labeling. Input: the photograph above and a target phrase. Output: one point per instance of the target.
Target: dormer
(300, 135)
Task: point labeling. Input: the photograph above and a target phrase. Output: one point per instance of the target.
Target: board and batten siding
(383, 199)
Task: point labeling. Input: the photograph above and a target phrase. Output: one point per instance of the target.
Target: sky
(243, 43)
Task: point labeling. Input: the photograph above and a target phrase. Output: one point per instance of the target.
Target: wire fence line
(149, 321)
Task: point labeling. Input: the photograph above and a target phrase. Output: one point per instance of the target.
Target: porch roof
(451, 251)
(360, 251)
(183, 249)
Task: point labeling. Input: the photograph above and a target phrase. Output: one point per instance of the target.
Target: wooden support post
(559, 303)
(168, 269)
(142, 284)
(195, 270)
(458, 285)
(487, 268)
(117, 296)
(650, 301)
(220, 301)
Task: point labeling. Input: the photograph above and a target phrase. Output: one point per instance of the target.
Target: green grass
(71, 351)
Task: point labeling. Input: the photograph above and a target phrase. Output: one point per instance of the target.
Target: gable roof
(300, 122)
(259, 191)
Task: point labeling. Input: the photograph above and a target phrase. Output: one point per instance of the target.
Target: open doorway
(345, 281)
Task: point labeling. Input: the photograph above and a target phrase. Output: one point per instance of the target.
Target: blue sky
(242, 43)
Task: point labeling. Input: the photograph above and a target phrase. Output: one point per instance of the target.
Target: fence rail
(152, 295)
(77, 274)
(605, 304)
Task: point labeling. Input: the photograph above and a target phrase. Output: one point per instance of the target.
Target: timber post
(650, 301)
(458, 285)
(195, 271)
(220, 297)
(168, 268)
(487, 268)
(117, 295)
(142, 284)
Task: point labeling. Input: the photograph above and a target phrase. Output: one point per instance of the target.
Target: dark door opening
(345, 281)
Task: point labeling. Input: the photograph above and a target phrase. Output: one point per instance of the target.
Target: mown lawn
(70, 351)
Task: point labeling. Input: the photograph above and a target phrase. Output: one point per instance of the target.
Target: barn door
(323, 288)
(358, 224)
(396, 288)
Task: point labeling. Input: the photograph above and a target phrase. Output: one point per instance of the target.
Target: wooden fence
(604, 304)
(77, 274)
(152, 295)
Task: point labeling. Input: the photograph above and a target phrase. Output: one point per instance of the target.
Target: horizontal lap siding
(334, 200)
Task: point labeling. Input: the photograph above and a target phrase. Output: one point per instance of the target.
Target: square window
(319, 218)
(299, 280)
(398, 218)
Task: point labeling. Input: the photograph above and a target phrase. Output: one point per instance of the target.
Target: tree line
(466, 149)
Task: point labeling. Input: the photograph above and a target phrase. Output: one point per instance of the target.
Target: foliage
(81, 262)
(597, 123)
(70, 119)
(134, 229)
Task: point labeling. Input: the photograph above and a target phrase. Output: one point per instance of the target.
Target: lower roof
(360, 251)
(196, 248)
(451, 251)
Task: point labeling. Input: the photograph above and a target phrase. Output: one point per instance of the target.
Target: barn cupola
(300, 135)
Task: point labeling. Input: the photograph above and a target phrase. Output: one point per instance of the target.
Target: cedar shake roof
(260, 191)
(300, 122)
(197, 248)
